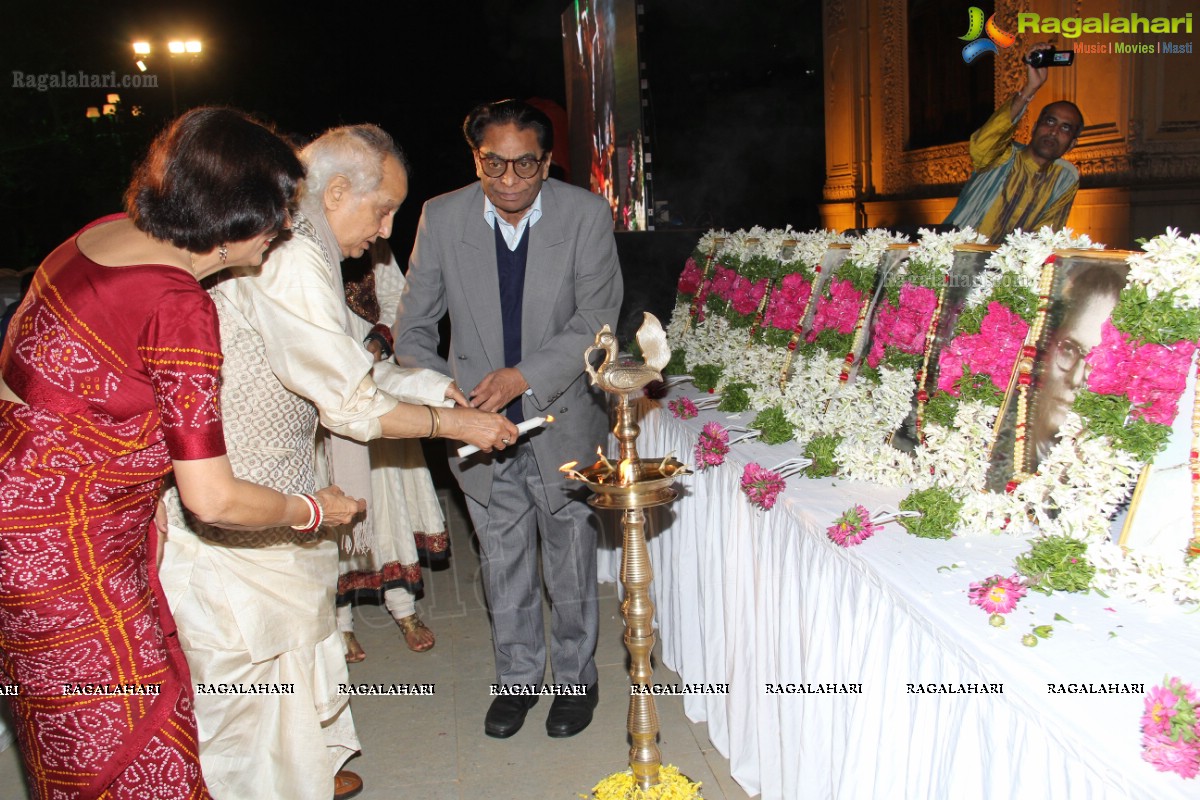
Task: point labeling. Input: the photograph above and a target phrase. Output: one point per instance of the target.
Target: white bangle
(315, 514)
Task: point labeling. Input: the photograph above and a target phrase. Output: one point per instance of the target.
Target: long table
(763, 601)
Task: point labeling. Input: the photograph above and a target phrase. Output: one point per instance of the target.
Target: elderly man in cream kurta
(255, 610)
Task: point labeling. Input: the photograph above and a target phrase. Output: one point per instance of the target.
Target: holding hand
(1034, 76)
(485, 430)
(337, 507)
(498, 389)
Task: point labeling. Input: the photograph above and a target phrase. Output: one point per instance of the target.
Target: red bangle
(315, 514)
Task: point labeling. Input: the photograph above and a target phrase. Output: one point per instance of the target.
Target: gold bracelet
(432, 423)
(437, 423)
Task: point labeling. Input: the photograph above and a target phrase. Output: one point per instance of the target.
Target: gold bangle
(432, 423)
(437, 423)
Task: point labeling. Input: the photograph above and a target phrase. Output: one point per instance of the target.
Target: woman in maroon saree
(111, 380)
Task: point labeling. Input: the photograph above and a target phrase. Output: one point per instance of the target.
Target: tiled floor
(434, 747)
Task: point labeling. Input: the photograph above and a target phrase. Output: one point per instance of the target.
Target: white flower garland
(1081, 482)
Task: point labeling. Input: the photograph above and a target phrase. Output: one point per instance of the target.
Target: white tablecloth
(751, 598)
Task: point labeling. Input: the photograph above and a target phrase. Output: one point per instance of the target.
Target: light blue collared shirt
(512, 233)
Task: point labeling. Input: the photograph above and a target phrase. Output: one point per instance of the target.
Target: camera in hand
(1050, 58)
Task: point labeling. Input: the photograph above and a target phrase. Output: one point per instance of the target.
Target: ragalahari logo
(996, 37)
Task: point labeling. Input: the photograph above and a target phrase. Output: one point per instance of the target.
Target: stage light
(175, 47)
(141, 65)
(141, 48)
(192, 46)
(110, 109)
(113, 98)
(93, 112)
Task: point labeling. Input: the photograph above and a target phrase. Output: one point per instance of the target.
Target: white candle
(523, 428)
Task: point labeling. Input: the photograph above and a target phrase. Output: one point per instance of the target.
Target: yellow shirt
(1008, 190)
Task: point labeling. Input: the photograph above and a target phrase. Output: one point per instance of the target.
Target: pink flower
(683, 408)
(1151, 375)
(689, 280)
(1168, 755)
(787, 302)
(745, 296)
(1160, 707)
(838, 311)
(903, 327)
(712, 447)
(992, 352)
(852, 527)
(1170, 729)
(722, 282)
(762, 485)
(997, 594)
(1109, 361)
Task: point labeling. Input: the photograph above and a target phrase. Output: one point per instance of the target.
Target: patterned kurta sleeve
(181, 348)
(992, 143)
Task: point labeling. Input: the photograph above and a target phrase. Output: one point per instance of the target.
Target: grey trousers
(508, 528)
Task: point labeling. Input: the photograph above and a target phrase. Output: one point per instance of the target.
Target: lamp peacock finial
(628, 377)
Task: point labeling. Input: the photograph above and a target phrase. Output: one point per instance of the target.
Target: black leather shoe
(570, 714)
(507, 715)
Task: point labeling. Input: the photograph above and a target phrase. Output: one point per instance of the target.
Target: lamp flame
(627, 472)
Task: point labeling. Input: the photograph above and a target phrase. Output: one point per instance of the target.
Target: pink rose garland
(838, 311)
(787, 302)
(905, 327)
(691, 277)
(1151, 375)
(992, 352)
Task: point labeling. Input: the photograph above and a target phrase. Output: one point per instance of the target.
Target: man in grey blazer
(527, 268)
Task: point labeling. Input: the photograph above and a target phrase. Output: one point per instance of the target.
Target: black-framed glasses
(494, 166)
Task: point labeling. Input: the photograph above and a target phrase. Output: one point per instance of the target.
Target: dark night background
(735, 91)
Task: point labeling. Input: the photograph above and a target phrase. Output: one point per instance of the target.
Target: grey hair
(355, 151)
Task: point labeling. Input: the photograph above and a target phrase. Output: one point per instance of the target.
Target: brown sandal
(354, 651)
(411, 625)
(346, 784)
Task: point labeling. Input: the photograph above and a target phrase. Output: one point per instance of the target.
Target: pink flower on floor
(1160, 708)
(689, 280)
(1169, 755)
(997, 594)
(712, 447)
(838, 311)
(762, 485)
(904, 326)
(852, 527)
(683, 408)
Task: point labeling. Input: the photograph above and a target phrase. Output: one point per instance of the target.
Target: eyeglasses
(1049, 121)
(494, 166)
(1068, 355)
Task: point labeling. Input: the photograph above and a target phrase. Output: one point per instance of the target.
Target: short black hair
(214, 175)
(508, 112)
(1070, 105)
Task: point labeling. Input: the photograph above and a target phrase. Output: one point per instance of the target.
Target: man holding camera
(1015, 185)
